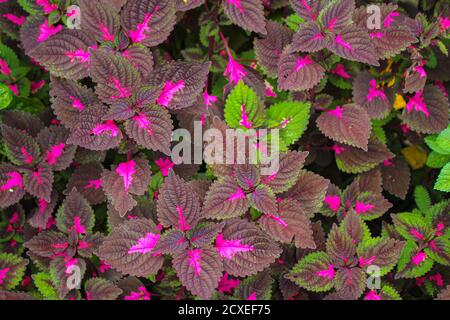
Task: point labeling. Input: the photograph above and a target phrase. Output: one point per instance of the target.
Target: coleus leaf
(349, 124)
(148, 22)
(307, 9)
(182, 82)
(415, 78)
(101, 289)
(178, 205)
(141, 58)
(298, 73)
(290, 118)
(93, 133)
(315, 272)
(263, 199)
(248, 14)
(60, 273)
(411, 226)
(268, 49)
(115, 76)
(354, 43)
(366, 93)
(99, 20)
(68, 99)
(151, 129)
(172, 242)
(439, 250)
(75, 214)
(21, 148)
(242, 107)
(12, 269)
(309, 191)
(427, 111)
(308, 38)
(370, 205)
(244, 248)
(288, 172)
(127, 178)
(88, 244)
(350, 282)
(185, 5)
(87, 180)
(10, 295)
(204, 233)
(48, 244)
(287, 223)
(43, 211)
(11, 185)
(340, 247)
(44, 285)
(247, 176)
(258, 287)
(130, 248)
(396, 176)
(23, 121)
(225, 199)
(337, 14)
(199, 270)
(413, 262)
(57, 153)
(354, 160)
(39, 182)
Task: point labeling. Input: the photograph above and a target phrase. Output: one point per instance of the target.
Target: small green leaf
(433, 145)
(422, 198)
(6, 96)
(43, 282)
(436, 160)
(443, 180)
(443, 139)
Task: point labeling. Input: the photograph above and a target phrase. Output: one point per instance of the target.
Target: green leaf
(405, 222)
(443, 139)
(442, 47)
(406, 269)
(293, 21)
(242, 99)
(422, 198)
(436, 160)
(6, 96)
(291, 117)
(340, 82)
(379, 133)
(389, 293)
(43, 282)
(9, 56)
(443, 180)
(433, 145)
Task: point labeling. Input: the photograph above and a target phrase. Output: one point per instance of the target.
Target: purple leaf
(248, 14)
(39, 182)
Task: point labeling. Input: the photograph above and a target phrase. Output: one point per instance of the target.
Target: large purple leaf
(101, 289)
(178, 205)
(21, 148)
(396, 176)
(248, 14)
(129, 248)
(23, 121)
(350, 283)
(47, 244)
(337, 15)
(172, 242)
(308, 9)
(99, 20)
(39, 182)
(87, 179)
(141, 58)
(308, 38)
(75, 214)
(43, 212)
(263, 199)
(340, 247)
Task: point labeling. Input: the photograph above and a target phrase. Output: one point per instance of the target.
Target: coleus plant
(87, 181)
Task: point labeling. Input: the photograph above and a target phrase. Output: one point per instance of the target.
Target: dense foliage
(94, 207)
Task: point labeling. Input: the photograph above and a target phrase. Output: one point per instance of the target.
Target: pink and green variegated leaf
(354, 160)
(173, 242)
(309, 38)
(382, 252)
(367, 93)
(263, 199)
(199, 270)
(258, 287)
(439, 250)
(43, 212)
(93, 133)
(247, 14)
(39, 182)
(11, 185)
(182, 83)
(350, 282)
(287, 223)
(225, 199)
(333, 202)
(247, 176)
(309, 191)
(12, 269)
(185, 5)
(75, 214)
(337, 15)
(56, 152)
(396, 176)
(89, 244)
(315, 272)
(308, 9)
(68, 99)
(99, 20)
(340, 247)
(130, 248)
(288, 172)
(411, 226)
(87, 179)
(349, 124)
(101, 289)
(427, 111)
(61, 270)
(245, 249)
(268, 49)
(296, 72)
(205, 233)
(115, 76)
(66, 54)
(413, 262)
(148, 22)
(370, 206)
(21, 148)
(151, 129)
(22, 120)
(178, 205)
(10, 295)
(141, 58)
(48, 244)
(354, 43)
